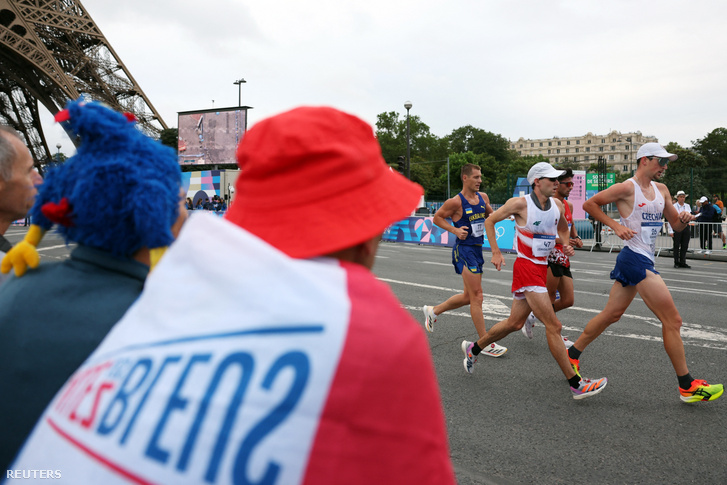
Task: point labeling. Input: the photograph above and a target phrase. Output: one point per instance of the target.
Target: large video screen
(210, 136)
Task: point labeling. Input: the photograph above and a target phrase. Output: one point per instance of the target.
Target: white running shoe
(588, 387)
(429, 318)
(528, 327)
(469, 357)
(568, 343)
(494, 350)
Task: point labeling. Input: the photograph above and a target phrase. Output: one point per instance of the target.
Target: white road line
(693, 334)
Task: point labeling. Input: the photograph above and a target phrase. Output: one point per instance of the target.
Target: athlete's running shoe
(588, 387)
(469, 357)
(576, 365)
(528, 327)
(494, 350)
(701, 391)
(568, 343)
(429, 318)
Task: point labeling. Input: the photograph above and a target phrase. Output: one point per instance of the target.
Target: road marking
(705, 336)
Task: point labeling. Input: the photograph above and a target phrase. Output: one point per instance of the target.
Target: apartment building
(619, 149)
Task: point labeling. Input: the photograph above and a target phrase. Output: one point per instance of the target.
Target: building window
(626, 157)
(568, 142)
(567, 150)
(541, 143)
(578, 142)
(586, 158)
(577, 150)
(613, 139)
(575, 159)
(626, 147)
(548, 152)
(521, 145)
(610, 157)
(512, 146)
(588, 149)
(550, 143)
(603, 140)
(589, 142)
(626, 168)
(613, 147)
(556, 159)
(557, 151)
(600, 149)
(558, 143)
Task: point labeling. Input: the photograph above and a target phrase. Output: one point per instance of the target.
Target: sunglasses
(662, 161)
(567, 184)
(552, 179)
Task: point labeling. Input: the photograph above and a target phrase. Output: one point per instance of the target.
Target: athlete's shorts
(559, 270)
(467, 256)
(528, 276)
(630, 269)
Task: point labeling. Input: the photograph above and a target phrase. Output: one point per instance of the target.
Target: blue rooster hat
(119, 193)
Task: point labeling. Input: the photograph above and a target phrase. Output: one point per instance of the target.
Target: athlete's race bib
(543, 244)
(649, 231)
(478, 228)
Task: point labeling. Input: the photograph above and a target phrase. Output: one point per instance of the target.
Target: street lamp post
(239, 83)
(58, 153)
(408, 106)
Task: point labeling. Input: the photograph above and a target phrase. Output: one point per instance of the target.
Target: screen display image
(210, 136)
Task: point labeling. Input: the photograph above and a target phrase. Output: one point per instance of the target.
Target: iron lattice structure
(52, 51)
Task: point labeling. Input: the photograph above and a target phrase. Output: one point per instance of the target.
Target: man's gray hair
(8, 154)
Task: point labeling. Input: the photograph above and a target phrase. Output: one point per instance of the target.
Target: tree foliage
(169, 137)
(699, 170)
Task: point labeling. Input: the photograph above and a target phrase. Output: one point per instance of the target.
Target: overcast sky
(534, 68)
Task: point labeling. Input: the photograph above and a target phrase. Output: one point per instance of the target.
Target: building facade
(618, 149)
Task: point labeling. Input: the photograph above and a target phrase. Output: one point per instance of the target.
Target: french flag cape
(240, 365)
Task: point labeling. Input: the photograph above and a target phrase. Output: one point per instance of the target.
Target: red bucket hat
(313, 181)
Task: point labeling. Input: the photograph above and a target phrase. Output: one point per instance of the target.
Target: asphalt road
(514, 421)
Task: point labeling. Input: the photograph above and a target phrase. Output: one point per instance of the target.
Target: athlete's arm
(563, 230)
(488, 208)
(575, 239)
(677, 220)
(449, 209)
(616, 193)
(516, 205)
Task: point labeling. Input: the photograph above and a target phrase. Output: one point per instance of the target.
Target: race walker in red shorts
(539, 218)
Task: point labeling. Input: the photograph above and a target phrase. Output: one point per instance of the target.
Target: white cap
(543, 170)
(703, 200)
(654, 150)
(681, 192)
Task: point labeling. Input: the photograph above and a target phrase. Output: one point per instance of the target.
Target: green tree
(686, 172)
(169, 137)
(713, 148)
(476, 140)
(428, 153)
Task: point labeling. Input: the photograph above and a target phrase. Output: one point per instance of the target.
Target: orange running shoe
(701, 391)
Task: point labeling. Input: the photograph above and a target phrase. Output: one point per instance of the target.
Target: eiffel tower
(52, 51)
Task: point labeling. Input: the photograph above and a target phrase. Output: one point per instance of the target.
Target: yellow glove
(24, 253)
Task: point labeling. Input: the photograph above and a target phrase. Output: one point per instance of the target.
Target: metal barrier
(705, 237)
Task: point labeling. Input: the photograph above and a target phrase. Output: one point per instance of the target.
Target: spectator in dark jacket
(706, 220)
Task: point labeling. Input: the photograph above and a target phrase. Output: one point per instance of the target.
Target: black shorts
(559, 270)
